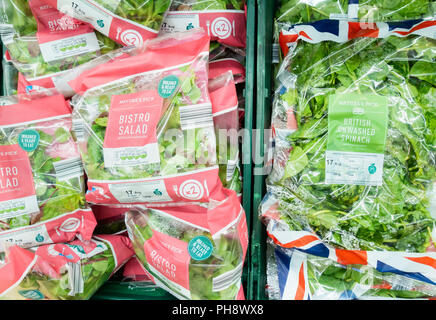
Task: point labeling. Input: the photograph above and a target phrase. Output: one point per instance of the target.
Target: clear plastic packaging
(110, 220)
(127, 22)
(48, 44)
(224, 20)
(295, 275)
(224, 100)
(64, 271)
(386, 11)
(192, 251)
(41, 174)
(359, 168)
(10, 77)
(175, 160)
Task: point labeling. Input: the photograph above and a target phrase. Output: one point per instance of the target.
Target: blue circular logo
(200, 248)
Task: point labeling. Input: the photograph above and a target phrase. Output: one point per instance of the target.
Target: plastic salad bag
(110, 220)
(159, 100)
(224, 100)
(42, 198)
(192, 251)
(385, 11)
(43, 42)
(361, 165)
(60, 81)
(294, 275)
(63, 271)
(127, 22)
(224, 20)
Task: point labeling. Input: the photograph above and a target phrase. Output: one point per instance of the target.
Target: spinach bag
(295, 275)
(63, 271)
(358, 170)
(42, 198)
(127, 22)
(43, 42)
(192, 251)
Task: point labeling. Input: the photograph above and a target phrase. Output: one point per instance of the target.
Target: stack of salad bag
(42, 42)
(192, 251)
(354, 167)
(62, 271)
(42, 198)
(127, 22)
(295, 275)
(170, 155)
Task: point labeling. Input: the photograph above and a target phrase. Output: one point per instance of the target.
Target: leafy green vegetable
(397, 10)
(298, 11)
(148, 13)
(21, 41)
(180, 150)
(226, 255)
(55, 197)
(186, 5)
(395, 215)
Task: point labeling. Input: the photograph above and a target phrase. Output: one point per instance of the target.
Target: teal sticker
(39, 238)
(200, 248)
(28, 140)
(31, 294)
(372, 169)
(167, 86)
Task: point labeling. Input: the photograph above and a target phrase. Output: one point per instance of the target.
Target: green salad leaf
(395, 215)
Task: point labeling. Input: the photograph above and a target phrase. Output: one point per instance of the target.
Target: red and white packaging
(186, 248)
(33, 274)
(225, 26)
(123, 31)
(33, 209)
(182, 57)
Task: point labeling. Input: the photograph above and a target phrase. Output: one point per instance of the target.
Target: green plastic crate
(265, 27)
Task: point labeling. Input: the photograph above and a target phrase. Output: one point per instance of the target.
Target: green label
(357, 127)
(357, 123)
(28, 140)
(200, 248)
(31, 294)
(167, 86)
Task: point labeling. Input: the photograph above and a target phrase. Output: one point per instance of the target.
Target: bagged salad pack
(192, 251)
(294, 275)
(145, 125)
(43, 42)
(127, 22)
(355, 181)
(224, 20)
(42, 192)
(399, 10)
(224, 100)
(63, 271)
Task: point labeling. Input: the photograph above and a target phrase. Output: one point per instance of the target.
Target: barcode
(68, 169)
(275, 53)
(75, 277)
(7, 30)
(231, 167)
(227, 279)
(79, 129)
(196, 116)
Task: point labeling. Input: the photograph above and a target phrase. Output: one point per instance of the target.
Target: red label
(16, 177)
(54, 25)
(133, 119)
(169, 256)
